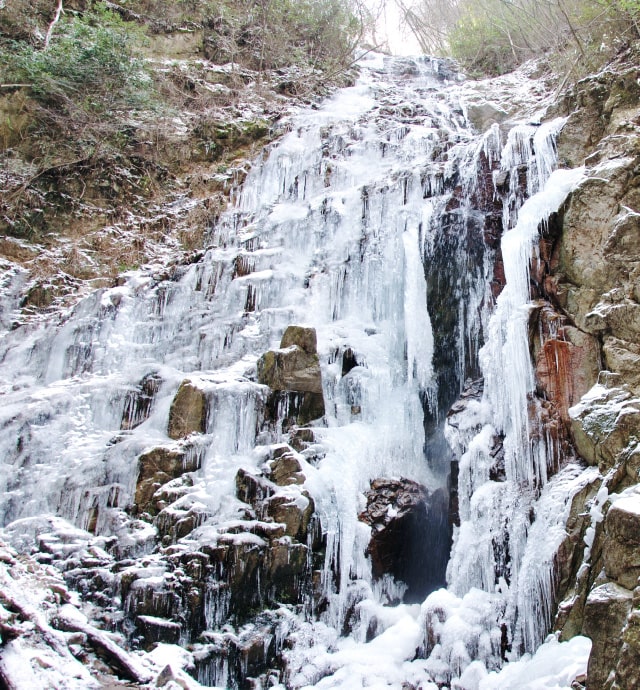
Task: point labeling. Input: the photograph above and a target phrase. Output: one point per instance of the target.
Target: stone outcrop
(188, 413)
(157, 467)
(292, 372)
(566, 359)
(597, 261)
(406, 532)
(605, 615)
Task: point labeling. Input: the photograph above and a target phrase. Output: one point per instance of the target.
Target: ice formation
(362, 222)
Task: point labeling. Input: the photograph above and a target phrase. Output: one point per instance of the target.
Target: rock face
(293, 374)
(264, 558)
(567, 360)
(592, 280)
(598, 258)
(603, 424)
(402, 515)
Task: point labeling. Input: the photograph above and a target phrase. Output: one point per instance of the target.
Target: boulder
(604, 425)
(188, 413)
(290, 369)
(409, 534)
(293, 509)
(605, 615)
(301, 438)
(285, 468)
(293, 374)
(304, 338)
(157, 467)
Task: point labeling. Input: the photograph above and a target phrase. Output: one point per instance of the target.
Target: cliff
(593, 280)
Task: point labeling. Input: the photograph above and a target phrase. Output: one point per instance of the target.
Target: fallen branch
(122, 662)
(52, 638)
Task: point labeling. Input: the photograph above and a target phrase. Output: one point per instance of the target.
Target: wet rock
(277, 542)
(567, 360)
(497, 471)
(188, 413)
(180, 519)
(286, 409)
(349, 361)
(171, 492)
(253, 488)
(159, 466)
(243, 657)
(407, 525)
(605, 615)
(301, 438)
(137, 405)
(573, 582)
(454, 493)
(285, 563)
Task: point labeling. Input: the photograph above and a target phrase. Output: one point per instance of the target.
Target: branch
(115, 656)
(31, 180)
(56, 18)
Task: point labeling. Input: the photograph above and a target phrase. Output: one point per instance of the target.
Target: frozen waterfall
(377, 221)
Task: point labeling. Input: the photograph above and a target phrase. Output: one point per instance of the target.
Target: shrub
(90, 64)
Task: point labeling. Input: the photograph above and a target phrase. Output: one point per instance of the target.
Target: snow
(628, 503)
(554, 666)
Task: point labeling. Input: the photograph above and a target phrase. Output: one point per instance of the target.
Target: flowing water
(376, 221)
